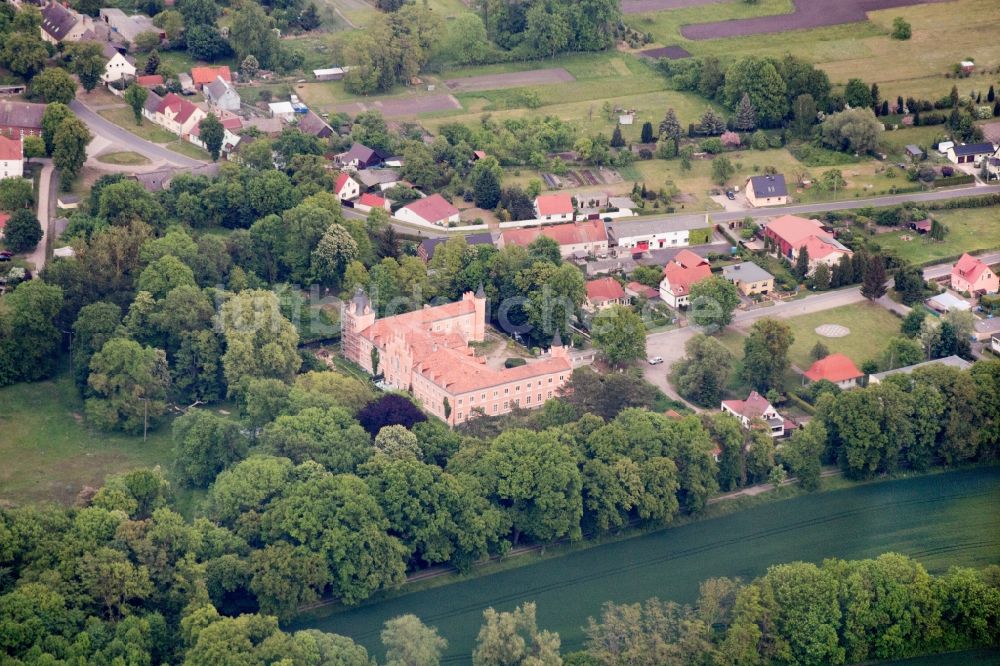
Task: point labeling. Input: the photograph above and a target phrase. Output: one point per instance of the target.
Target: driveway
(47, 189)
(126, 141)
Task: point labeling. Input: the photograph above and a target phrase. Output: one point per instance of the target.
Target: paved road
(47, 189)
(125, 140)
(850, 204)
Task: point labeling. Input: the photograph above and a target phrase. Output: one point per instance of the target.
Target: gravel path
(807, 14)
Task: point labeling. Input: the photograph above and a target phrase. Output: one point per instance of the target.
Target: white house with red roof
(11, 158)
(603, 293)
(791, 233)
(346, 188)
(367, 201)
(973, 276)
(680, 274)
(836, 368)
(177, 115)
(580, 239)
(756, 407)
(554, 207)
(434, 209)
(202, 76)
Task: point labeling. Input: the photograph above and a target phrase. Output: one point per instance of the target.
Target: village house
(311, 124)
(749, 278)
(283, 111)
(603, 293)
(769, 190)
(428, 246)
(578, 239)
(346, 188)
(757, 408)
(149, 80)
(367, 201)
(427, 353)
(359, 157)
(220, 95)
(790, 234)
(554, 207)
(129, 27)
(151, 105)
(231, 126)
(972, 276)
(177, 115)
(970, 153)
(269, 127)
(119, 66)
(62, 24)
(680, 274)
(202, 76)
(379, 179)
(11, 158)
(836, 368)
(20, 119)
(434, 209)
(950, 361)
(655, 233)
(639, 290)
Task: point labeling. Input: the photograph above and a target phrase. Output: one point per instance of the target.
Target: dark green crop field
(941, 520)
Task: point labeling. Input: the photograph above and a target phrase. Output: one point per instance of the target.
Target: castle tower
(356, 316)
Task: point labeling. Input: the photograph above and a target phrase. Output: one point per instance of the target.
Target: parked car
(655, 360)
(5, 255)
(730, 195)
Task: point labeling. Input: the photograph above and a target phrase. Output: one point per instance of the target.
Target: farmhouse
(749, 278)
(434, 209)
(428, 246)
(973, 276)
(11, 158)
(119, 66)
(582, 238)
(427, 353)
(60, 23)
(656, 233)
(766, 191)
(311, 124)
(603, 293)
(970, 153)
(221, 95)
(757, 408)
(346, 187)
(836, 368)
(129, 27)
(19, 119)
(950, 361)
(680, 274)
(790, 234)
(359, 157)
(554, 207)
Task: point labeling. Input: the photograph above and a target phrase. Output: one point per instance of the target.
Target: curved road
(125, 140)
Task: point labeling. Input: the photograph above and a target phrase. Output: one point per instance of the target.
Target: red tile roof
(835, 368)
(434, 208)
(754, 407)
(203, 75)
(642, 290)
(969, 268)
(373, 200)
(799, 232)
(10, 149)
(341, 181)
(604, 290)
(181, 107)
(554, 204)
(149, 80)
(684, 270)
(571, 233)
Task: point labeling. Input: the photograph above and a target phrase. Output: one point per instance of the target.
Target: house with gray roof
(220, 95)
(655, 233)
(19, 119)
(312, 124)
(949, 361)
(768, 190)
(153, 102)
(749, 278)
(60, 23)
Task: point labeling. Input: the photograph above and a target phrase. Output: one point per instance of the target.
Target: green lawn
(871, 326)
(147, 130)
(969, 230)
(50, 453)
(125, 157)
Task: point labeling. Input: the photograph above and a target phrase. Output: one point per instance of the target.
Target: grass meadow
(871, 326)
(969, 230)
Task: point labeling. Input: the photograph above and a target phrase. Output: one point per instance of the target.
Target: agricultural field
(969, 230)
(942, 520)
(50, 453)
(871, 327)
